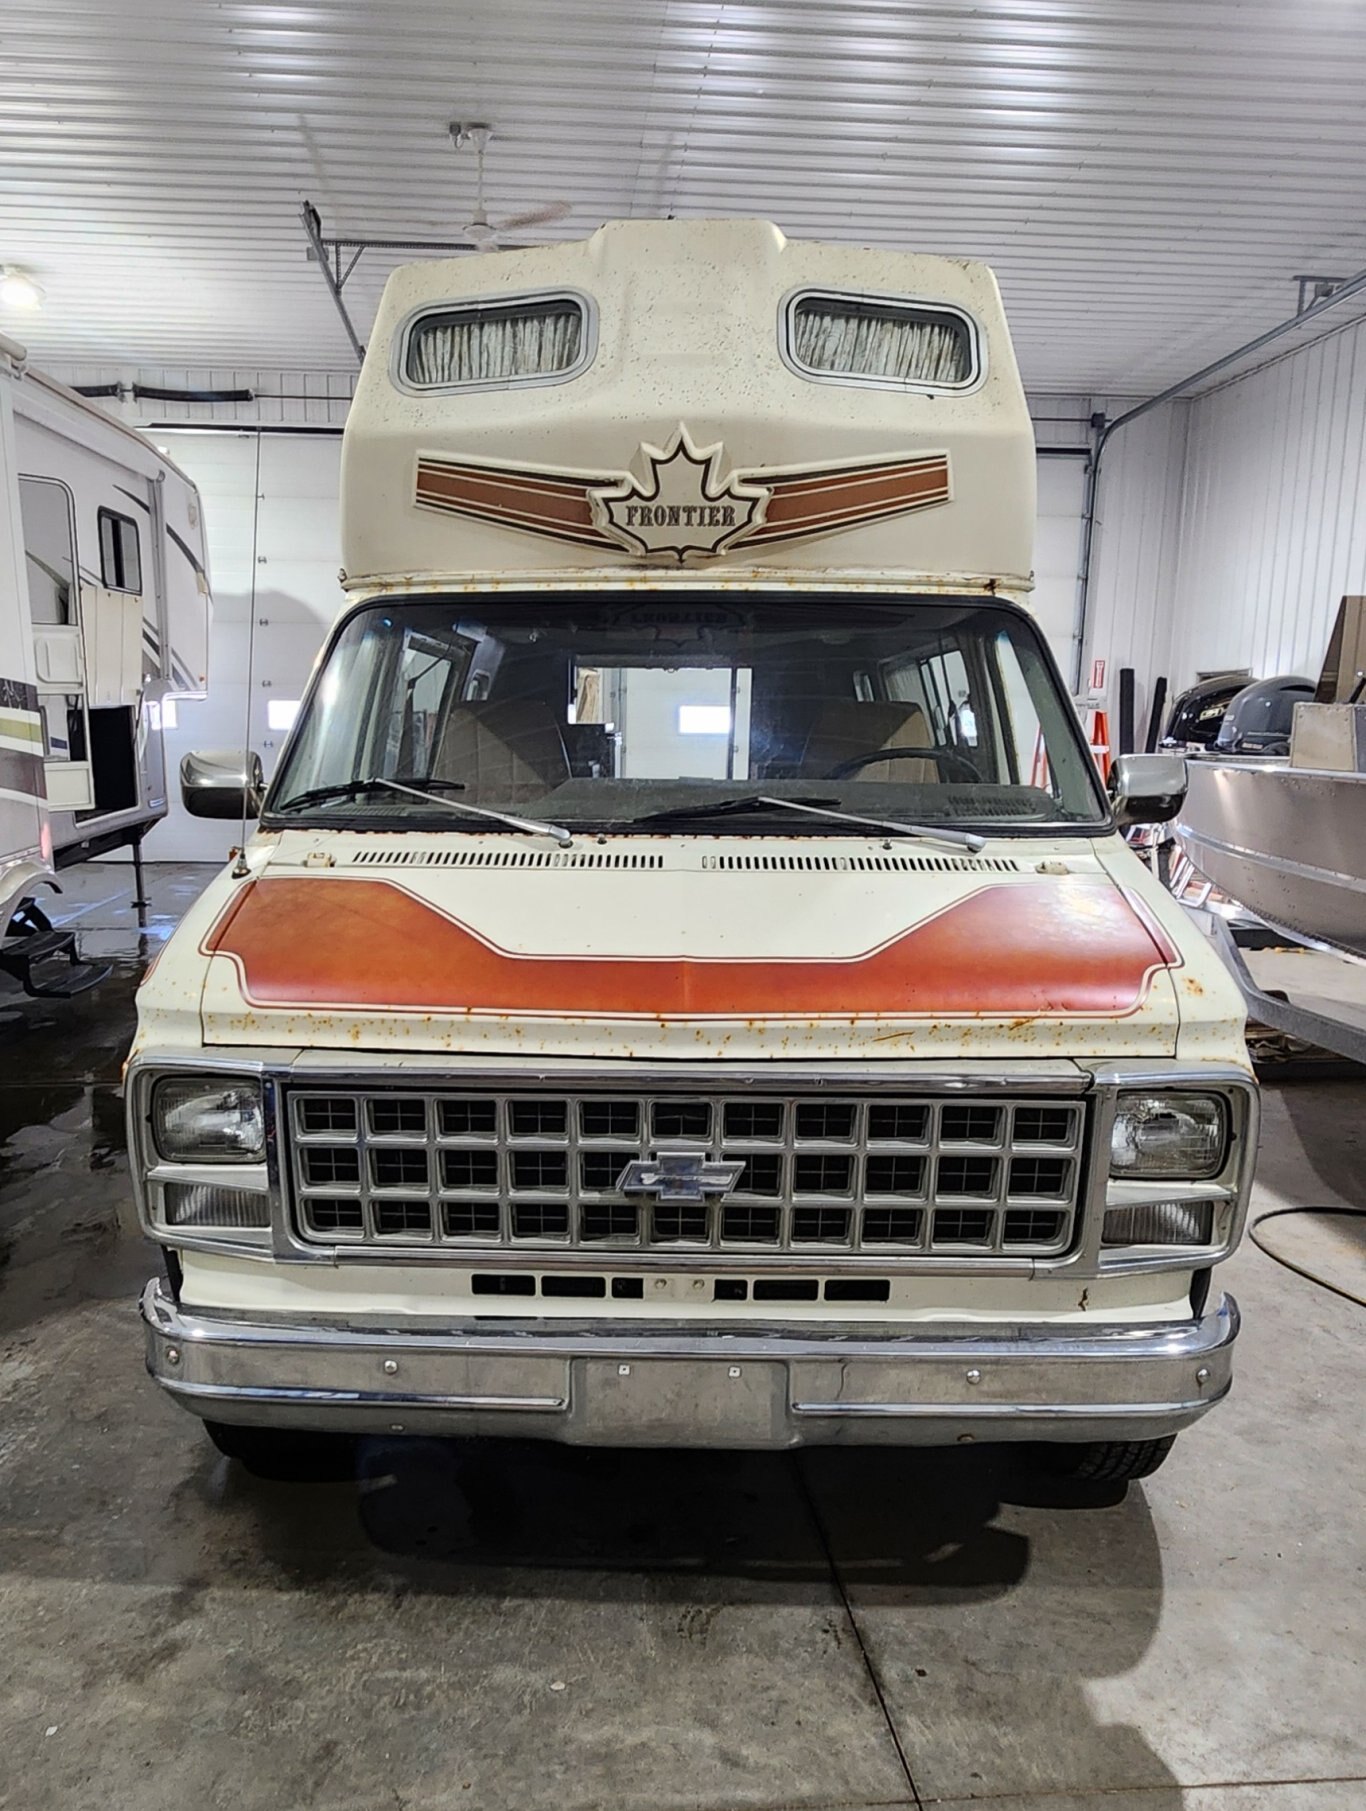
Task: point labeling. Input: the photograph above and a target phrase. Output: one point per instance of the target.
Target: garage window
(120, 555)
(525, 340)
(881, 341)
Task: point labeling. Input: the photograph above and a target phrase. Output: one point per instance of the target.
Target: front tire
(1112, 1461)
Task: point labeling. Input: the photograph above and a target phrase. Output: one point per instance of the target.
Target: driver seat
(506, 750)
(846, 728)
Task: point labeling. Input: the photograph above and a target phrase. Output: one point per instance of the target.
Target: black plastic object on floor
(46, 962)
(1155, 714)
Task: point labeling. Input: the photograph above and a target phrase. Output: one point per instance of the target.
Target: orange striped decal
(537, 502)
(1062, 948)
(820, 500)
(833, 500)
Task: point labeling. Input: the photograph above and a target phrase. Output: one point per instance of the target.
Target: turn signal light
(1160, 1223)
(195, 1204)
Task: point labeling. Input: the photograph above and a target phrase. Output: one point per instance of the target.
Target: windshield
(621, 711)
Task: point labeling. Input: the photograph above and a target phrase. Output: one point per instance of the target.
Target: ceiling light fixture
(19, 291)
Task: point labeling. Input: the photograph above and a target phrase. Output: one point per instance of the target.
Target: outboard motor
(1259, 719)
(1198, 714)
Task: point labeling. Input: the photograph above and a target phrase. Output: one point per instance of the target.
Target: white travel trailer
(105, 600)
(25, 837)
(688, 984)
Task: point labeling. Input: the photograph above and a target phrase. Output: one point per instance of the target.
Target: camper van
(104, 615)
(687, 985)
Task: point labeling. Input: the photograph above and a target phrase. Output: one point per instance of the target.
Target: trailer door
(54, 590)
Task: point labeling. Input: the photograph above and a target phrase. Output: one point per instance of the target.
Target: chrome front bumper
(637, 1385)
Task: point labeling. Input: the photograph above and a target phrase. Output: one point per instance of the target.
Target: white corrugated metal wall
(1273, 528)
(1229, 527)
(1134, 565)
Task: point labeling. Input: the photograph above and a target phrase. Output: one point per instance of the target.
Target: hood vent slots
(503, 858)
(640, 860)
(864, 864)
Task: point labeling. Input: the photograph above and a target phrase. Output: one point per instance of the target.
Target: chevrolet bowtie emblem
(679, 1176)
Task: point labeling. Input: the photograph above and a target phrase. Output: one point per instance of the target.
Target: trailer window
(120, 555)
(474, 345)
(49, 550)
(880, 340)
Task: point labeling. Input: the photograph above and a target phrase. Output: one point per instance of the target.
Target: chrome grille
(883, 1175)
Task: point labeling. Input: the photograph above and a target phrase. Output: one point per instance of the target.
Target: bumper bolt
(1202, 1375)
(974, 1376)
(173, 1355)
(391, 1367)
(623, 1370)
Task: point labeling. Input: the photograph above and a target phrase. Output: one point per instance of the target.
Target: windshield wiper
(533, 825)
(955, 839)
(751, 801)
(350, 789)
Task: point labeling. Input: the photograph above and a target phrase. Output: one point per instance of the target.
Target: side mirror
(215, 783)
(1147, 789)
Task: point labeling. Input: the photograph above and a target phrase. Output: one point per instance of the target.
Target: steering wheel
(946, 757)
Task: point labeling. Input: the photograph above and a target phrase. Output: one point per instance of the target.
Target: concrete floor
(518, 1628)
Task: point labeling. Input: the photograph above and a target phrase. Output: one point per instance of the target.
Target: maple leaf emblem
(684, 506)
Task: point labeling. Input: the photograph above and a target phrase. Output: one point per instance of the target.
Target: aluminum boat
(1289, 843)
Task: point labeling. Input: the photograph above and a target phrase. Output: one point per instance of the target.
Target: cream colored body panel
(1211, 1012)
(690, 910)
(687, 317)
(433, 1292)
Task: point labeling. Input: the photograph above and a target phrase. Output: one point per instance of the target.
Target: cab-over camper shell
(832, 1074)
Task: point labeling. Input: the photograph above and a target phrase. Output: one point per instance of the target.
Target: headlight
(198, 1120)
(1168, 1137)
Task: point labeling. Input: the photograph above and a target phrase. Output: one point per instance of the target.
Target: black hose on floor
(1277, 1213)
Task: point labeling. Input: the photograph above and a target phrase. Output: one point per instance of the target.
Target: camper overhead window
(523, 340)
(879, 340)
(615, 713)
(120, 557)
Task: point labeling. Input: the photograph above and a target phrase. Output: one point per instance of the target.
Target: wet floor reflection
(67, 1230)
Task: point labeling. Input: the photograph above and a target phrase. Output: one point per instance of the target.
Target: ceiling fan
(479, 231)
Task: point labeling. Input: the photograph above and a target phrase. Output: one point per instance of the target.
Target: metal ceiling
(1148, 177)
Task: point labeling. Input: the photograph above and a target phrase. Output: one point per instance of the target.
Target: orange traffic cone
(1099, 739)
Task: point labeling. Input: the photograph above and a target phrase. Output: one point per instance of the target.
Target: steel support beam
(313, 228)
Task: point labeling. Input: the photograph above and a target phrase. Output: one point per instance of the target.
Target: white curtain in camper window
(472, 348)
(898, 347)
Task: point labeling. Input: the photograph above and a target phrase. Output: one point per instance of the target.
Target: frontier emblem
(684, 506)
